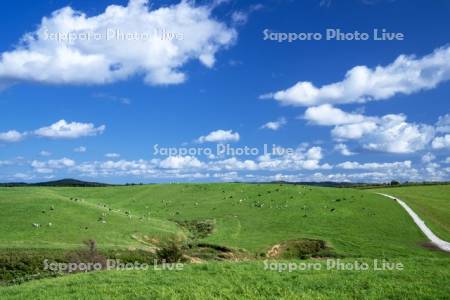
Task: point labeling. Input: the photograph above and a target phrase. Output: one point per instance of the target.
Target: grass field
(422, 279)
(431, 203)
(252, 217)
(72, 222)
(354, 224)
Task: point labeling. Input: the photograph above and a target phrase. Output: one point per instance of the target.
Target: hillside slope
(256, 217)
(37, 217)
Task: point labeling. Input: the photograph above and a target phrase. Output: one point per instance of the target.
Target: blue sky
(95, 109)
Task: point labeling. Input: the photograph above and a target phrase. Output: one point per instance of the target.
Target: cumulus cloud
(351, 165)
(393, 134)
(326, 114)
(428, 157)
(11, 136)
(372, 172)
(180, 162)
(354, 131)
(190, 167)
(282, 166)
(390, 133)
(220, 136)
(50, 165)
(354, 172)
(45, 153)
(112, 155)
(64, 130)
(370, 176)
(343, 149)
(300, 159)
(234, 164)
(109, 57)
(443, 124)
(441, 142)
(5, 163)
(275, 125)
(406, 75)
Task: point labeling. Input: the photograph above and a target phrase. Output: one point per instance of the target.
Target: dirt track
(441, 244)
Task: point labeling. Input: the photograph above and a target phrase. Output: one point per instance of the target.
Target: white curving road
(441, 244)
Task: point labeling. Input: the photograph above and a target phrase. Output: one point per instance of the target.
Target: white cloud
(239, 17)
(80, 149)
(328, 115)
(353, 131)
(428, 157)
(64, 130)
(343, 149)
(41, 58)
(300, 159)
(11, 136)
(234, 164)
(180, 162)
(393, 134)
(112, 98)
(191, 167)
(314, 153)
(50, 165)
(371, 176)
(390, 133)
(434, 172)
(45, 153)
(406, 75)
(121, 167)
(281, 159)
(443, 124)
(275, 125)
(112, 155)
(219, 136)
(285, 166)
(351, 165)
(353, 172)
(5, 163)
(372, 172)
(23, 176)
(441, 142)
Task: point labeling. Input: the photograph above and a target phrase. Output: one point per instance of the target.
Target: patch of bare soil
(274, 251)
(431, 246)
(302, 248)
(205, 251)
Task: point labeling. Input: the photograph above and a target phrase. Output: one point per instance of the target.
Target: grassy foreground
(421, 279)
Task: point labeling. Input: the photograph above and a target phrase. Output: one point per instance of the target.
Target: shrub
(171, 252)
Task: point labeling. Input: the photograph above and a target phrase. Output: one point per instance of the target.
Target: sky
(225, 90)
